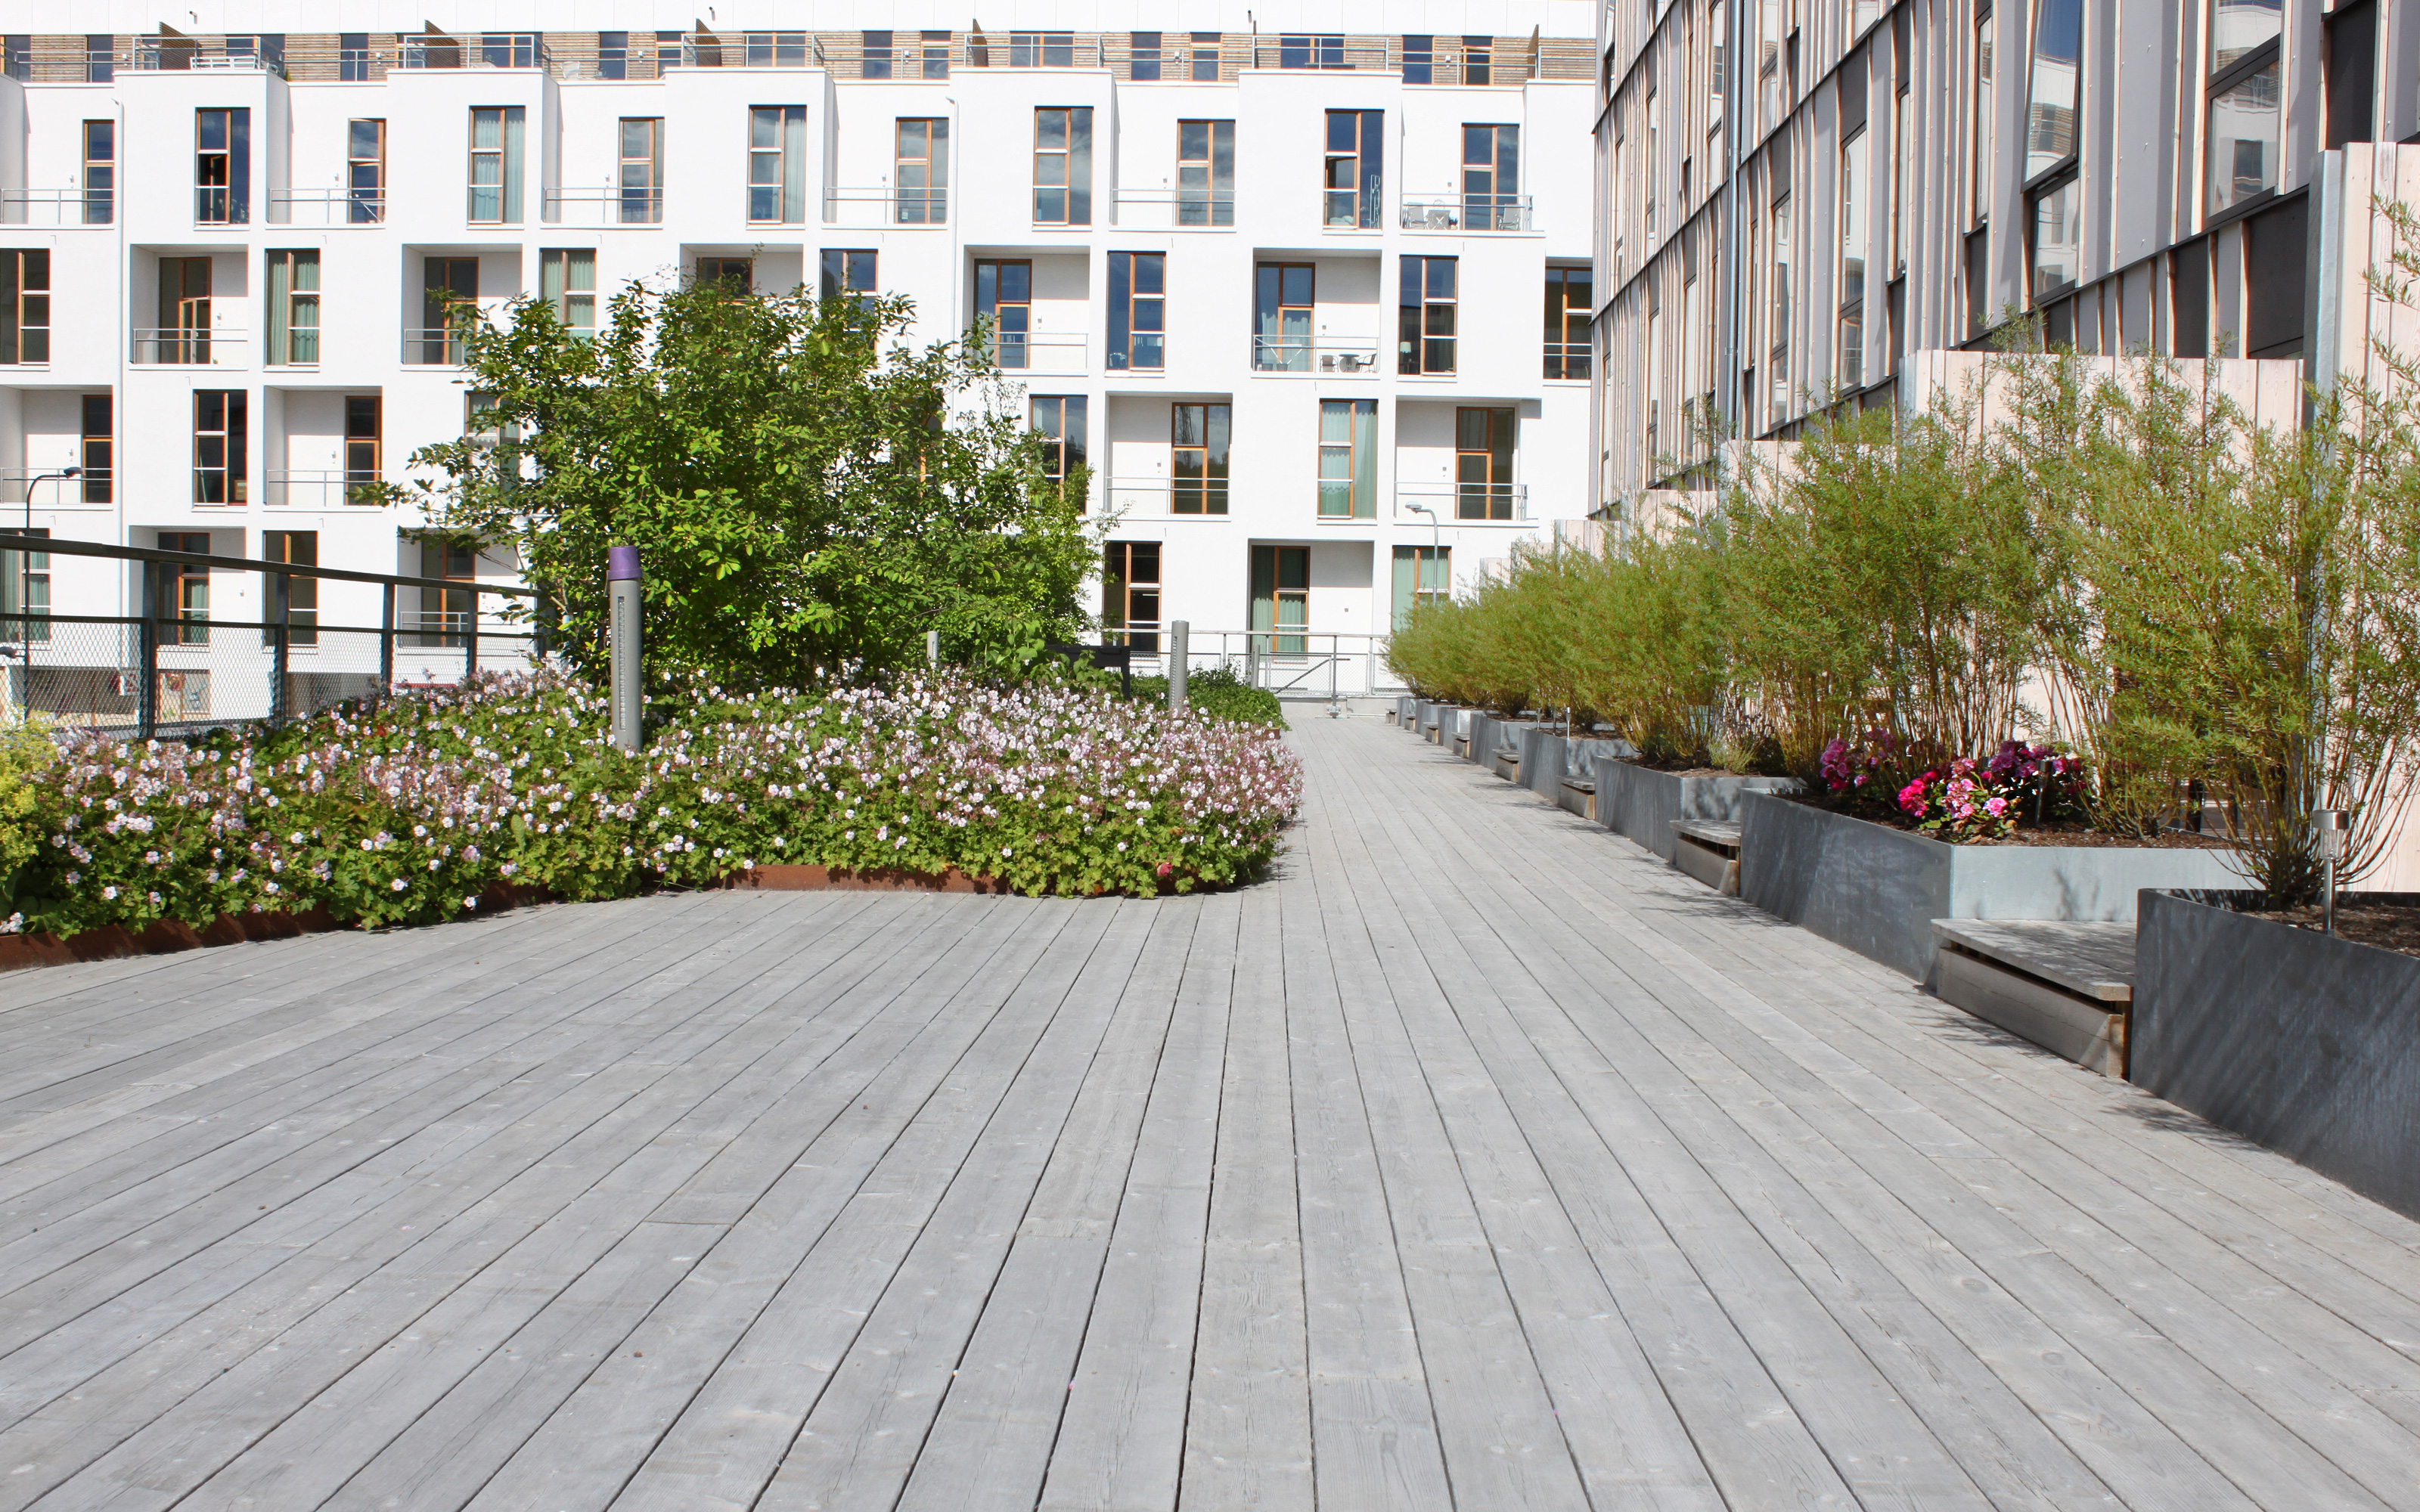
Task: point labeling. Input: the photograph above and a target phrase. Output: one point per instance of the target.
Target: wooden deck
(1479, 1161)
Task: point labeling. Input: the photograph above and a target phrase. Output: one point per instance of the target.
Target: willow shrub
(411, 810)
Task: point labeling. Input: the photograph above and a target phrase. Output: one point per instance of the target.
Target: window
(2276, 250)
(1059, 418)
(1206, 173)
(2057, 240)
(1570, 308)
(1130, 596)
(1490, 175)
(2189, 291)
(1851, 370)
(1198, 438)
(1348, 459)
(1062, 166)
(100, 172)
(99, 58)
(25, 590)
(2245, 114)
(1423, 576)
(365, 171)
(100, 451)
(2051, 90)
(612, 55)
(448, 306)
(849, 271)
(1138, 310)
(1424, 340)
(221, 476)
(873, 60)
(1650, 170)
(2352, 71)
(365, 442)
(189, 588)
(1717, 79)
(777, 164)
(1900, 145)
(448, 615)
(1482, 464)
(1478, 60)
(184, 335)
(1204, 51)
(567, 279)
(1979, 178)
(1004, 299)
(1419, 59)
(1143, 57)
(1281, 311)
(353, 57)
(2238, 29)
(1978, 282)
(495, 164)
(737, 274)
(936, 47)
(508, 50)
(25, 306)
(296, 548)
(1303, 52)
(1779, 372)
(223, 167)
(923, 172)
(642, 170)
(1281, 597)
(1042, 50)
(294, 308)
(1355, 163)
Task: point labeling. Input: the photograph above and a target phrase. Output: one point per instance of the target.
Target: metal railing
(1159, 497)
(319, 488)
(1291, 662)
(1327, 356)
(486, 50)
(435, 346)
(1049, 353)
(57, 207)
(603, 206)
(1191, 208)
(327, 207)
(1466, 212)
(172, 666)
(52, 491)
(172, 347)
(1569, 360)
(1465, 503)
(1324, 52)
(201, 57)
(882, 205)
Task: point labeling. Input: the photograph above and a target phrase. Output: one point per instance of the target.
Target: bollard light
(2331, 827)
(623, 625)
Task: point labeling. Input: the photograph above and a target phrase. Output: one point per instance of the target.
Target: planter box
(1542, 761)
(1642, 805)
(1877, 890)
(2307, 1045)
(1407, 712)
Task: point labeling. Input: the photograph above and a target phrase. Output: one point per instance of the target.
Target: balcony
(1464, 503)
(1320, 356)
(50, 491)
(1323, 53)
(1187, 209)
(168, 346)
(323, 488)
(603, 207)
(1466, 212)
(327, 207)
(1158, 498)
(490, 50)
(436, 347)
(232, 55)
(883, 205)
(56, 206)
(1049, 353)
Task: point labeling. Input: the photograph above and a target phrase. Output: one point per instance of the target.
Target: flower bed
(413, 810)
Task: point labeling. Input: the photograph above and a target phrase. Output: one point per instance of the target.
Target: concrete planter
(2308, 1044)
(1641, 804)
(1542, 761)
(1877, 890)
(1407, 712)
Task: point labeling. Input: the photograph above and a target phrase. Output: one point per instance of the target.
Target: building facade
(1798, 195)
(1310, 304)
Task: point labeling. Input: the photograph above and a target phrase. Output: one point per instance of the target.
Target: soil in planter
(2388, 926)
(2082, 837)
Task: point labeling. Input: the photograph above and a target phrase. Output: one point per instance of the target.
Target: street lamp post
(1436, 552)
(25, 571)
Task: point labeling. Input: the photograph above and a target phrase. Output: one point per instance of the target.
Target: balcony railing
(435, 346)
(56, 206)
(1326, 356)
(1322, 52)
(1569, 360)
(1464, 503)
(603, 207)
(1466, 212)
(1176, 208)
(51, 492)
(320, 488)
(171, 346)
(1039, 351)
(327, 207)
(490, 50)
(1155, 498)
(201, 57)
(884, 206)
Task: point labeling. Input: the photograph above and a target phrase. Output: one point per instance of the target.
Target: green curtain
(281, 296)
(512, 165)
(793, 165)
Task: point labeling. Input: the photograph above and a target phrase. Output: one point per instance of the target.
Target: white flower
(397, 885)
(110, 893)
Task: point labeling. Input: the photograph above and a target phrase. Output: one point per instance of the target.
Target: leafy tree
(803, 489)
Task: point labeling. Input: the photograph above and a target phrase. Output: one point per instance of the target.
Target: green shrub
(26, 754)
(1219, 693)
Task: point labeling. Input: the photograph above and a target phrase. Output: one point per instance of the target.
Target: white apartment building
(1799, 196)
(1308, 289)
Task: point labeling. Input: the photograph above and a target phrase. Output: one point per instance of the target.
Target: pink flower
(1996, 806)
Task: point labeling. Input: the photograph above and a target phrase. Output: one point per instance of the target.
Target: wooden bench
(1578, 794)
(1507, 763)
(1708, 849)
(2067, 986)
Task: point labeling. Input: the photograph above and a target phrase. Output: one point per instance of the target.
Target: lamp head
(2331, 826)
